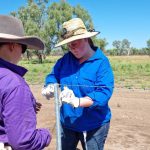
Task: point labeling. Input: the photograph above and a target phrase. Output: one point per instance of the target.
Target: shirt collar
(97, 55)
(15, 68)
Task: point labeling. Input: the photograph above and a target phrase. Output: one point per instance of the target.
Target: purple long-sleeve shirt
(17, 111)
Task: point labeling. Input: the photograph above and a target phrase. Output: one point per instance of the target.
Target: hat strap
(67, 34)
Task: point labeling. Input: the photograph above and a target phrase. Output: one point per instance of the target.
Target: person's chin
(77, 56)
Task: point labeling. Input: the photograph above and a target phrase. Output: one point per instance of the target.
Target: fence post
(57, 110)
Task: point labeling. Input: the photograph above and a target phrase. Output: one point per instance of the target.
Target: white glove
(2, 147)
(48, 91)
(67, 96)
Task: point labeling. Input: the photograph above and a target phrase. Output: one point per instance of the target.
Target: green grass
(129, 71)
(37, 72)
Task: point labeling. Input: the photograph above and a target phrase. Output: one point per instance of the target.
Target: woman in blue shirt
(86, 81)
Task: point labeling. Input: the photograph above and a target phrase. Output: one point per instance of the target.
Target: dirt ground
(130, 125)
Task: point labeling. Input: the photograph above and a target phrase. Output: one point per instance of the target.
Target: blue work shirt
(93, 78)
(17, 111)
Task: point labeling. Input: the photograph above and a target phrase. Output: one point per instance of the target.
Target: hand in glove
(68, 96)
(48, 91)
(3, 147)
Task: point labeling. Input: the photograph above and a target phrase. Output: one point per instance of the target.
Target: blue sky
(115, 19)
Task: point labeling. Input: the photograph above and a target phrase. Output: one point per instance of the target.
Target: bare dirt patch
(130, 125)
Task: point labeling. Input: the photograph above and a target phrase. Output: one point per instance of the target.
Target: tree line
(44, 19)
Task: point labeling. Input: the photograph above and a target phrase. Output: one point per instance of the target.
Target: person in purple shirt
(18, 106)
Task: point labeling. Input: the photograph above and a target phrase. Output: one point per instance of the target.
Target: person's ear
(11, 47)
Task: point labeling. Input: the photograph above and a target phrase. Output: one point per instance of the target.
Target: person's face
(17, 50)
(77, 48)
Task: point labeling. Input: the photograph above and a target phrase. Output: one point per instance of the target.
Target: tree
(32, 17)
(102, 43)
(112, 52)
(46, 21)
(134, 51)
(126, 47)
(58, 13)
(148, 47)
(122, 47)
(80, 12)
(117, 45)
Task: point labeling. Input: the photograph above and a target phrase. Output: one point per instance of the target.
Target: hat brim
(77, 37)
(32, 42)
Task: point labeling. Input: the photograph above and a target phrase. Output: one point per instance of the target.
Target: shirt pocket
(87, 80)
(65, 77)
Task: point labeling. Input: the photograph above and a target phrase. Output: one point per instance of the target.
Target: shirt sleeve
(20, 121)
(53, 76)
(104, 85)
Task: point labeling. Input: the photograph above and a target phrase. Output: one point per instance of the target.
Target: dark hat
(11, 30)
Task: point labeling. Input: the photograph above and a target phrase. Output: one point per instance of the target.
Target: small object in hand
(48, 91)
(67, 96)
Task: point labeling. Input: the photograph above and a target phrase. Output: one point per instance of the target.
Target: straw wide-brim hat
(75, 29)
(11, 30)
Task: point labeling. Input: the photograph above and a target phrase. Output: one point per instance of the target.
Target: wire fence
(130, 108)
(116, 87)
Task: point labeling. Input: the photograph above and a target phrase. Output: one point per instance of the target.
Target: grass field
(129, 71)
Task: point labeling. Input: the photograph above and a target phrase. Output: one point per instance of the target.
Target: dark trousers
(91, 140)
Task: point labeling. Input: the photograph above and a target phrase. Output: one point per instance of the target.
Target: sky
(115, 19)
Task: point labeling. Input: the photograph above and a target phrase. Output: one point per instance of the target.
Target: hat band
(69, 34)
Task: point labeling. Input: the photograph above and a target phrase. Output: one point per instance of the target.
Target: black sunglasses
(24, 48)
